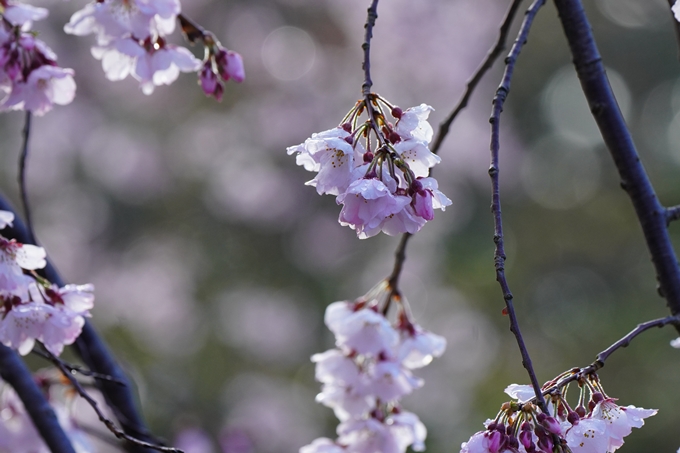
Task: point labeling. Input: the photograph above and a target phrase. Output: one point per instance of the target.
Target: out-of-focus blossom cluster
(368, 373)
(383, 184)
(31, 308)
(131, 40)
(29, 75)
(17, 432)
(595, 425)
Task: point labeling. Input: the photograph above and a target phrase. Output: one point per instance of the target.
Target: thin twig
(499, 254)
(604, 355)
(488, 62)
(634, 179)
(672, 213)
(393, 279)
(14, 371)
(676, 25)
(23, 158)
(119, 433)
(77, 369)
(366, 65)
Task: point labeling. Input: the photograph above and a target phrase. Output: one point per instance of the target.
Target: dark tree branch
(15, 373)
(488, 62)
(651, 214)
(23, 157)
(494, 170)
(96, 356)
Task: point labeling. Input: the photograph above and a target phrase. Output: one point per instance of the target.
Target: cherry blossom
(597, 425)
(376, 180)
(368, 373)
(29, 74)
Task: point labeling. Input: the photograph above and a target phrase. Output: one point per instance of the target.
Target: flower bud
(526, 439)
(573, 417)
(552, 425)
(397, 112)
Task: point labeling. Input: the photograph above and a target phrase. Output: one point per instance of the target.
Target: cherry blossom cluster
(596, 425)
(377, 169)
(17, 432)
(31, 308)
(29, 75)
(131, 40)
(368, 373)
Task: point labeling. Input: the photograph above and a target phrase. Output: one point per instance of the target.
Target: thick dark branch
(15, 373)
(96, 356)
(488, 62)
(494, 172)
(634, 179)
(26, 134)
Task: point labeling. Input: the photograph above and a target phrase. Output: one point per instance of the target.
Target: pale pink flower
(363, 331)
(115, 19)
(368, 436)
(22, 325)
(389, 381)
(413, 124)
(118, 57)
(322, 445)
(408, 431)
(347, 402)
(418, 347)
(366, 205)
(522, 393)
(6, 218)
(619, 421)
(403, 221)
(334, 367)
(162, 66)
(44, 87)
(588, 436)
(418, 157)
(20, 14)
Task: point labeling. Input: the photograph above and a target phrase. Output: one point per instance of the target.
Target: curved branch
(494, 170)
(604, 355)
(595, 84)
(14, 371)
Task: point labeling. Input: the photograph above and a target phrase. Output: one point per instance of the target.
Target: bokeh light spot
(288, 53)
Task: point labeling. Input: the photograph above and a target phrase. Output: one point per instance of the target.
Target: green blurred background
(213, 263)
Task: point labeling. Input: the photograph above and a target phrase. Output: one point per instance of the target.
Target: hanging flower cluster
(31, 308)
(29, 75)
(368, 373)
(131, 40)
(377, 170)
(596, 425)
(17, 432)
